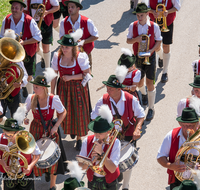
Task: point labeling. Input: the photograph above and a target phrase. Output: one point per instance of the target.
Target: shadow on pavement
(86, 3)
(159, 89)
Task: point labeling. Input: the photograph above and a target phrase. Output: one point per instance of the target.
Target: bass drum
(128, 156)
(50, 153)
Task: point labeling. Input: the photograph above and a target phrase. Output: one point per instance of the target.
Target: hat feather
(126, 51)
(20, 114)
(195, 104)
(10, 34)
(77, 34)
(121, 72)
(49, 74)
(105, 113)
(75, 170)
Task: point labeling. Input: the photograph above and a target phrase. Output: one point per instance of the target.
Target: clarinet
(195, 70)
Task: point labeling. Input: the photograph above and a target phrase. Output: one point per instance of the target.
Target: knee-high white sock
(126, 177)
(151, 98)
(160, 53)
(29, 87)
(57, 28)
(47, 58)
(143, 90)
(40, 52)
(166, 57)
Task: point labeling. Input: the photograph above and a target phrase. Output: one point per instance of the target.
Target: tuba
(188, 158)
(10, 51)
(161, 20)
(24, 142)
(143, 48)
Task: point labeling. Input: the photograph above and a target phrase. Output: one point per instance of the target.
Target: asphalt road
(112, 19)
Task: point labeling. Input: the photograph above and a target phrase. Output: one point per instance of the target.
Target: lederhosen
(101, 183)
(129, 82)
(13, 100)
(23, 183)
(149, 70)
(75, 99)
(30, 49)
(63, 10)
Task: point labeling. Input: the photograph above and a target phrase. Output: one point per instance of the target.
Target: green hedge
(4, 10)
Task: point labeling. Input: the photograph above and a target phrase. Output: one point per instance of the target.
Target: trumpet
(99, 167)
(160, 8)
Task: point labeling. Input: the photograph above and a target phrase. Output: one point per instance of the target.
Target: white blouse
(56, 104)
(82, 58)
(137, 76)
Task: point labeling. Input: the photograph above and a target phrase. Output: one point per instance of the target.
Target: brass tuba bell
(11, 52)
(24, 142)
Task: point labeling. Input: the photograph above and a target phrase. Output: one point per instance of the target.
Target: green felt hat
(113, 82)
(67, 40)
(77, 2)
(41, 81)
(72, 183)
(188, 116)
(19, 1)
(100, 125)
(11, 125)
(196, 83)
(186, 185)
(127, 60)
(141, 8)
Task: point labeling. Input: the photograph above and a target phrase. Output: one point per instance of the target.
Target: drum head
(125, 152)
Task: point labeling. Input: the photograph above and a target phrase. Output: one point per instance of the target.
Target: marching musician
(189, 120)
(194, 99)
(47, 103)
(75, 21)
(51, 6)
(101, 126)
(123, 106)
(196, 65)
(10, 130)
(26, 28)
(172, 6)
(137, 28)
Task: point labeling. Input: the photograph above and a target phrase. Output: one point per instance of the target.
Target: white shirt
(114, 156)
(181, 106)
(143, 30)
(137, 76)
(54, 3)
(136, 107)
(56, 104)
(82, 58)
(176, 4)
(35, 31)
(90, 25)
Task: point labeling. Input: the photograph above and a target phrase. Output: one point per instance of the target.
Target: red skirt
(37, 130)
(76, 101)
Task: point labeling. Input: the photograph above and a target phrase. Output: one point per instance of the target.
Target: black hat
(100, 125)
(67, 40)
(196, 83)
(141, 8)
(77, 2)
(41, 81)
(11, 125)
(113, 82)
(127, 60)
(19, 1)
(188, 116)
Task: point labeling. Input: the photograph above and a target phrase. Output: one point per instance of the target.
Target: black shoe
(144, 99)
(78, 145)
(120, 178)
(150, 114)
(132, 4)
(164, 78)
(160, 63)
(42, 63)
(72, 136)
(24, 92)
(47, 176)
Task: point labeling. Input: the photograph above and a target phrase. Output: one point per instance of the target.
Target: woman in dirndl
(133, 76)
(47, 103)
(72, 66)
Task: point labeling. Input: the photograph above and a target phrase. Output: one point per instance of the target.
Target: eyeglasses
(10, 136)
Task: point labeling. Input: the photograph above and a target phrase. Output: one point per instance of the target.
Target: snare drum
(128, 156)
(50, 153)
